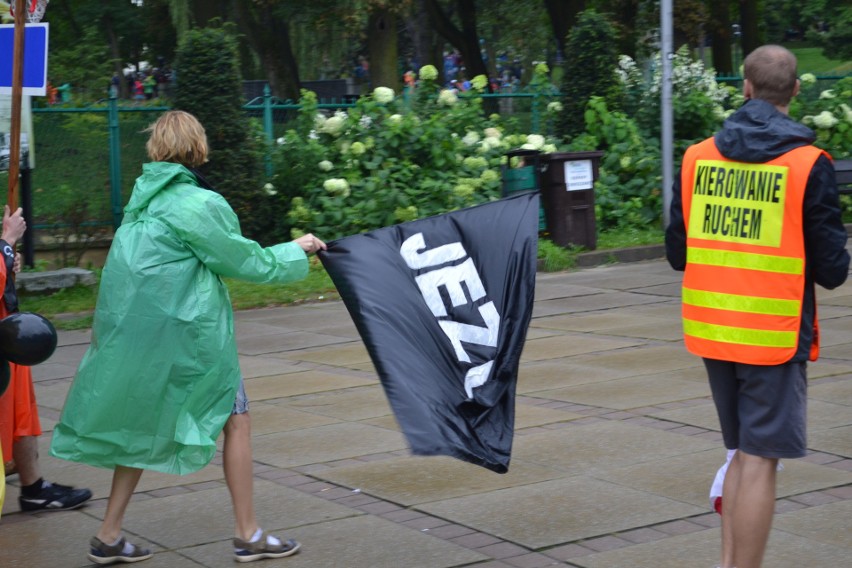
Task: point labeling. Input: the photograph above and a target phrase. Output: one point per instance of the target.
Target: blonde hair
(178, 137)
(771, 70)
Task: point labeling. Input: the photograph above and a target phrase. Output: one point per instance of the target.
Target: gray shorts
(241, 405)
(762, 409)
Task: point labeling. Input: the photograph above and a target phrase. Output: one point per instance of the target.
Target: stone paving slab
(360, 542)
(836, 441)
(604, 445)
(700, 550)
(353, 404)
(564, 345)
(633, 392)
(649, 360)
(324, 443)
(302, 382)
(416, 480)
(545, 514)
(58, 539)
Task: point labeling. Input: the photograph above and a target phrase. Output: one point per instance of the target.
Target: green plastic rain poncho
(160, 377)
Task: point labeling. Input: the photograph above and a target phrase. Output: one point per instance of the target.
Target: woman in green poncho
(161, 377)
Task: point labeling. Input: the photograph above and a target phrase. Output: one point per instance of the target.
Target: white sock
(127, 549)
(269, 538)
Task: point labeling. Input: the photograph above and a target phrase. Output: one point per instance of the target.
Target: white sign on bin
(578, 175)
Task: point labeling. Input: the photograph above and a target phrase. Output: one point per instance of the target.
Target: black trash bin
(568, 197)
(524, 177)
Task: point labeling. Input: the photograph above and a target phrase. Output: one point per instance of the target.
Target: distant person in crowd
(161, 379)
(755, 225)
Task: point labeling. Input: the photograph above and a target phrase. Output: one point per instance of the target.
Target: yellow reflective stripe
(739, 303)
(740, 335)
(747, 260)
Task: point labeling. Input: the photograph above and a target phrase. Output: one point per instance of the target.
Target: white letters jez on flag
(443, 305)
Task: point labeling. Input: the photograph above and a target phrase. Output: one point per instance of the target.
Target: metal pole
(267, 127)
(667, 118)
(114, 162)
(17, 91)
(27, 205)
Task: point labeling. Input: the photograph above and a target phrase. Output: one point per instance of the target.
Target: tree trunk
(466, 39)
(269, 36)
(382, 47)
(563, 16)
(720, 35)
(749, 19)
(423, 38)
(112, 38)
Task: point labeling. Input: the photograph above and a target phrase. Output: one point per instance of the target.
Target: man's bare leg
(25, 452)
(748, 505)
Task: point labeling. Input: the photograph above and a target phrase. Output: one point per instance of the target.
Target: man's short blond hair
(771, 70)
(177, 137)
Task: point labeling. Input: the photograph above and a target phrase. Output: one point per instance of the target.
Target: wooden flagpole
(17, 90)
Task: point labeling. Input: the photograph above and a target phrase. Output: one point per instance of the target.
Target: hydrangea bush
(388, 159)
(828, 112)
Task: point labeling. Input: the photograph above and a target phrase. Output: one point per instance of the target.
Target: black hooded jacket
(758, 133)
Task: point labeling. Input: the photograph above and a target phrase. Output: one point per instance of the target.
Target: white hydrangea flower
(365, 121)
(536, 141)
(807, 79)
(319, 120)
(395, 118)
(325, 166)
(554, 107)
(337, 186)
(492, 132)
(447, 98)
(383, 95)
(269, 189)
(470, 138)
(357, 148)
(281, 141)
(333, 125)
(527, 146)
(825, 120)
(548, 148)
(827, 94)
(847, 112)
(428, 73)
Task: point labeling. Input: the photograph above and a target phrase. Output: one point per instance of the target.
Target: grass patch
(630, 238)
(811, 60)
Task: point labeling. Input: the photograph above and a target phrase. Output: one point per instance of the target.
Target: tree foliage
(209, 87)
(590, 65)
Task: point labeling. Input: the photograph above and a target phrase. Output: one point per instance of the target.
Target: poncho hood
(156, 176)
(758, 133)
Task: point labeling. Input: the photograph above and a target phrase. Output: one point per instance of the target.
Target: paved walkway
(616, 445)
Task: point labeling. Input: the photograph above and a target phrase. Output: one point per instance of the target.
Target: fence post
(534, 126)
(267, 127)
(114, 162)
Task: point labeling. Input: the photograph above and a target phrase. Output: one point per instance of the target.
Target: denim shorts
(241, 405)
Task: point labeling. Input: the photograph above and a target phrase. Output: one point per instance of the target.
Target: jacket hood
(758, 132)
(155, 177)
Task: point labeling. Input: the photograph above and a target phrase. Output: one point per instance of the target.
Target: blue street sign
(35, 59)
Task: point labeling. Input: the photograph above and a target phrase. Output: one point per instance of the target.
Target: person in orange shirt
(19, 423)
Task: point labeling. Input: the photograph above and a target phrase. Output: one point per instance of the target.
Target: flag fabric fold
(443, 305)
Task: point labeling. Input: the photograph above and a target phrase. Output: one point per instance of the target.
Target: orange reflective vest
(744, 281)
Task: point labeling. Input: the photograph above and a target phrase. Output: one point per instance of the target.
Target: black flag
(443, 305)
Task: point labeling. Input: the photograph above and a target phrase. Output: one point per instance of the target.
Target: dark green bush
(209, 86)
(590, 62)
